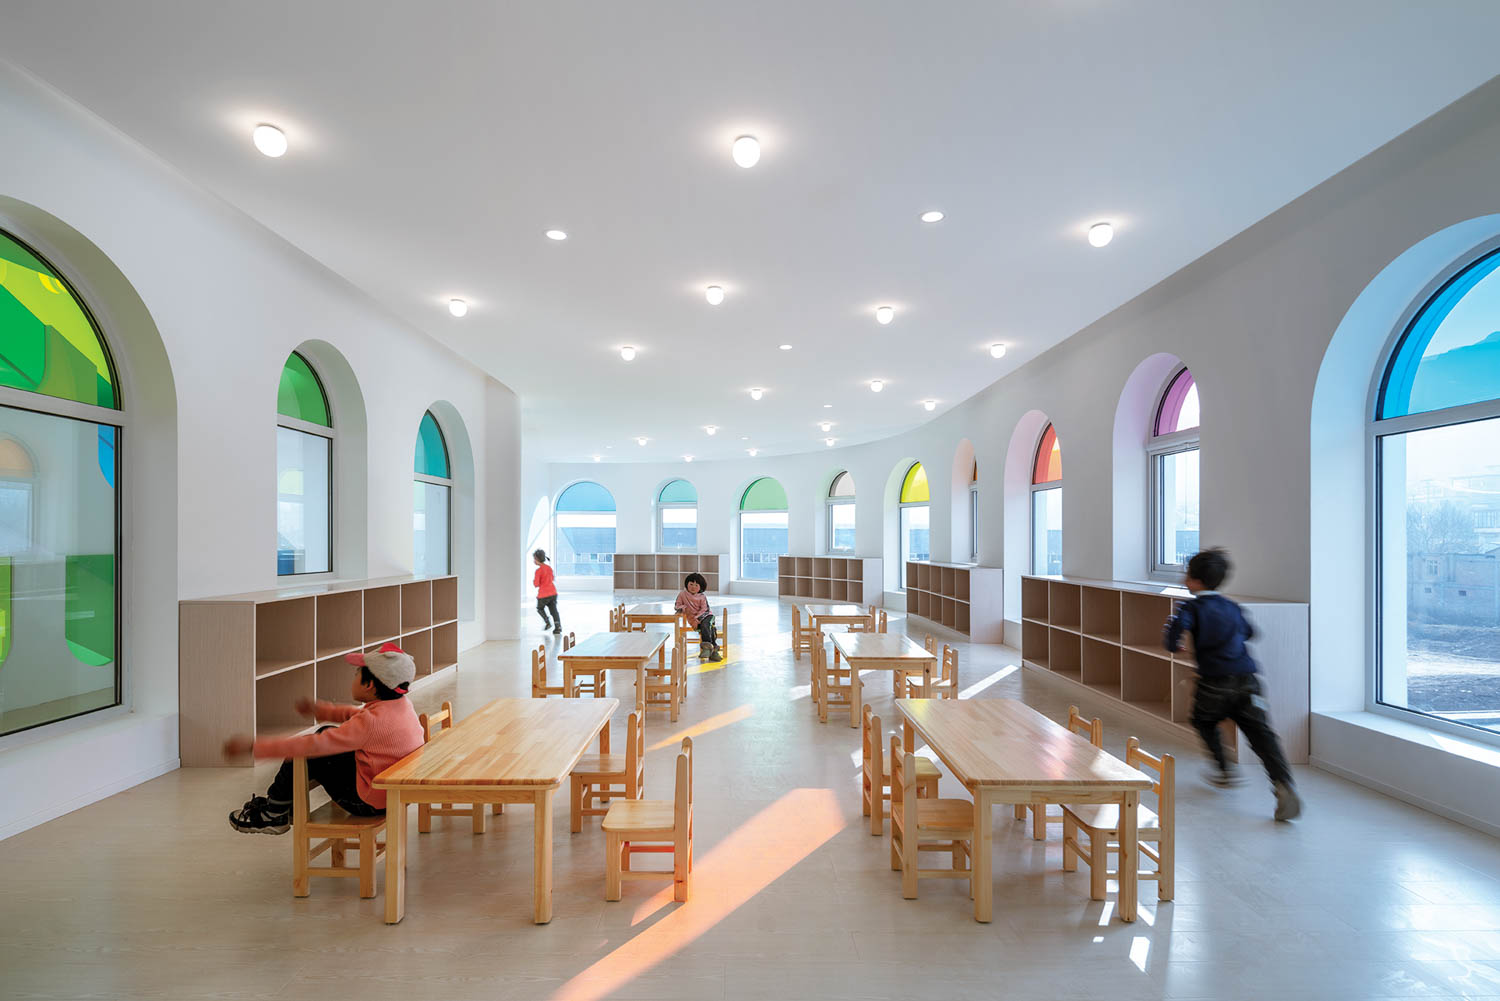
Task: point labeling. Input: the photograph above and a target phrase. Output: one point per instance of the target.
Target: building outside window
(916, 510)
(677, 516)
(584, 543)
(304, 472)
(763, 529)
(1046, 504)
(432, 501)
(840, 512)
(1173, 455)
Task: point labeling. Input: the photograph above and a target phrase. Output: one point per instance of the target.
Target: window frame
(331, 433)
(556, 528)
(1037, 488)
(441, 482)
(830, 502)
(739, 520)
(1158, 447)
(901, 508)
(1377, 428)
(974, 515)
(661, 508)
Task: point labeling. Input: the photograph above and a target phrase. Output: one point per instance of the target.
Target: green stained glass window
(914, 487)
(48, 342)
(432, 450)
(765, 494)
(678, 492)
(300, 395)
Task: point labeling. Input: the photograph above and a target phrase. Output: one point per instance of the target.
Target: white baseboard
(57, 809)
(1385, 788)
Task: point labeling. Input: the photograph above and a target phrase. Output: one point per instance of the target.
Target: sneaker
(1224, 778)
(257, 816)
(557, 631)
(718, 654)
(1288, 803)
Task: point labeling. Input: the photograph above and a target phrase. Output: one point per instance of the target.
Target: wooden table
(883, 652)
(664, 612)
(820, 615)
(616, 652)
(511, 751)
(1003, 751)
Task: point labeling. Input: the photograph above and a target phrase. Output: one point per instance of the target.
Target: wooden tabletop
(617, 646)
(837, 611)
(510, 742)
(653, 608)
(1004, 742)
(879, 646)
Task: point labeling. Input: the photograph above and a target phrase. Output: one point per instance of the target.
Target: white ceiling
(432, 144)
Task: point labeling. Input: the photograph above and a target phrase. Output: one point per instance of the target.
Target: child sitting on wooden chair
(343, 759)
(691, 603)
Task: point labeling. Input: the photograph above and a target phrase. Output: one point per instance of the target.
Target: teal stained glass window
(586, 496)
(432, 450)
(1449, 354)
(300, 395)
(765, 494)
(678, 492)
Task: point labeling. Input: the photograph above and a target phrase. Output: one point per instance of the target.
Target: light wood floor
(149, 894)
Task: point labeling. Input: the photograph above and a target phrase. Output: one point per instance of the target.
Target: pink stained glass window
(1179, 405)
(1048, 468)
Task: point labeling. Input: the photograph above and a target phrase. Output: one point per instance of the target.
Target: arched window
(1046, 504)
(1173, 455)
(677, 516)
(915, 512)
(1436, 440)
(432, 500)
(974, 513)
(841, 514)
(304, 472)
(763, 529)
(585, 542)
(60, 428)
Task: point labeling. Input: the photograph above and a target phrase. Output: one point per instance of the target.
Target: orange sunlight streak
(750, 859)
(697, 730)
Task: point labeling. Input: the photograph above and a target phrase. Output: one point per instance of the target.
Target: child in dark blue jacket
(1227, 684)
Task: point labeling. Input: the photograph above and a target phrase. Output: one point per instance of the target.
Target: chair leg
(929, 788)
(909, 862)
(336, 853)
(1039, 822)
(857, 696)
(424, 818)
(367, 863)
(1020, 811)
(612, 866)
(300, 880)
(1070, 849)
(575, 806)
(1098, 864)
(682, 875)
(497, 808)
(478, 809)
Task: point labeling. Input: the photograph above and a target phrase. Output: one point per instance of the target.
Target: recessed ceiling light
(829, 441)
(687, 458)
(1100, 233)
(556, 234)
(627, 353)
(932, 216)
(752, 452)
(884, 314)
(997, 350)
(876, 385)
(828, 406)
(785, 347)
(746, 151)
(712, 429)
(458, 307)
(757, 393)
(714, 294)
(642, 441)
(598, 458)
(929, 404)
(744, 437)
(826, 426)
(269, 140)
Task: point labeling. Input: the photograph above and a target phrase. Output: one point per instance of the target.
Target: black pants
(1237, 697)
(542, 606)
(335, 773)
(707, 634)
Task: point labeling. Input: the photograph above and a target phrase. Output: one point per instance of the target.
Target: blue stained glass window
(586, 496)
(1450, 352)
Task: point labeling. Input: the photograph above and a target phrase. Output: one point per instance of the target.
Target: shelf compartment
(786, 566)
(1063, 604)
(950, 612)
(838, 569)
(1146, 681)
(784, 587)
(961, 585)
(1141, 618)
(713, 580)
(838, 590)
(961, 617)
(276, 695)
(333, 677)
(1034, 599)
(340, 622)
(1101, 665)
(708, 565)
(444, 646)
(1034, 643)
(284, 634)
(820, 589)
(804, 566)
(419, 645)
(821, 567)
(856, 592)
(1101, 613)
(666, 580)
(416, 605)
(944, 580)
(624, 561)
(1064, 653)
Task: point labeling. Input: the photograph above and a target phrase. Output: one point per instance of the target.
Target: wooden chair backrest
(874, 748)
(903, 795)
(796, 623)
(635, 752)
(441, 720)
(570, 640)
(950, 664)
(880, 622)
(930, 644)
(1165, 784)
(1093, 729)
(684, 788)
(539, 666)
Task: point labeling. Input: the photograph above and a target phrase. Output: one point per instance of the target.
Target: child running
(546, 592)
(1227, 684)
(691, 603)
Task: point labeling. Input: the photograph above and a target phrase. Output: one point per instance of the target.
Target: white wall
(224, 301)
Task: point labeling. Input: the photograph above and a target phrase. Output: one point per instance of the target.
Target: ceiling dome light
(829, 441)
(932, 216)
(642, 441)
(757, 393)
(929, 405)
(752, 451)
(884, 314)
(876, 385)
(712, 429)
(627, 353)
(687, 458)
(1100, 233)
(828, 406)
(827, 426)
(598, 458)
(746, 151)
(997, 350)
(714, 294)
(556, 234)
(458, 307)
(269, 140)
(784, 347)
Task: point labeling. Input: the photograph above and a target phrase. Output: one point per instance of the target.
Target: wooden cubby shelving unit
(966, 599)
(1106, 637)
(664, 571)
(245, 659)
(831, 578)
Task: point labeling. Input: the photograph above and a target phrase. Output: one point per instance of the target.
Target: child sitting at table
(691, 603)
(1227, 684)
(343, 759)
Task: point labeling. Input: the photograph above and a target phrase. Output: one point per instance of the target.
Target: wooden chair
(1093, 729)
(866, 626)
(336, 831)
(569, 641)
(876, 774)
(539, 687)
(926, 825)
(839, 687)
(1101, 822)
(617, 623)
(944, 686)
(666, 826)
(603, 777)
(586, 679)
(433, 726)
(880, 621)
(802, 636)
(665, 688)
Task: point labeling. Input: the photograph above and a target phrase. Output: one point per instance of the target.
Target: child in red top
(546, 592)
(694, 606)
(343, 759)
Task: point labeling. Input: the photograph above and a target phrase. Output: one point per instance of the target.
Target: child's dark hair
(540, 554)
(1210, 566)
(697, 578)
(382, 693)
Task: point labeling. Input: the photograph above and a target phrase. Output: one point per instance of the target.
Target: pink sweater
(379, 733)
(695, 605)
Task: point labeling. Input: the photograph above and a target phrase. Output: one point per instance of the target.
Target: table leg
(640, 689)
(979, 863)
(542, 856)
(1130, 866)
(567, 677)
(395, 857)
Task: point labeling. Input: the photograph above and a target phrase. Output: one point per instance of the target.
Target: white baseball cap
(391, 666)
